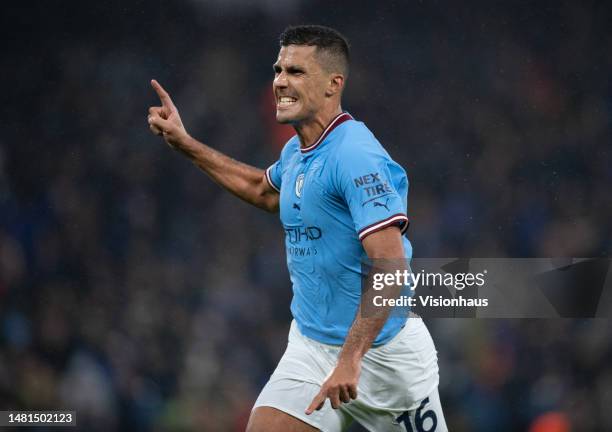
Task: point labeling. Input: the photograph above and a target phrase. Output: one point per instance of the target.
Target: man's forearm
(362, 334)
(384, 248)
(368, 323)
(240, 179)
(244, 181)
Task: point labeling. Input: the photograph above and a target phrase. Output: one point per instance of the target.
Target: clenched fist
(165, 120)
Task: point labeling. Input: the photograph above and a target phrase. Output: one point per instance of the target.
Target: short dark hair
(328, 41)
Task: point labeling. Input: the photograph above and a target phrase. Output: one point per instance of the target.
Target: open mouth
(285, 101)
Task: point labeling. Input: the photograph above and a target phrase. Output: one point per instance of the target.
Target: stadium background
(135, 291)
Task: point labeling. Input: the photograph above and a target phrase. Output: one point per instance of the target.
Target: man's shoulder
(357, 129)
(290, 146)
(355, 139)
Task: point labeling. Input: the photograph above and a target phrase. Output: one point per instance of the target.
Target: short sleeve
(274, 175)
(374, 187)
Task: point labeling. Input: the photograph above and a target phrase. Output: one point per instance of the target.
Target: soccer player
(342, 199)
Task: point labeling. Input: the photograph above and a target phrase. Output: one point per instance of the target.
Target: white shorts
(397, 390)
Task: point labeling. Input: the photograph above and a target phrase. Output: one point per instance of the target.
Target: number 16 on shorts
(424, 420)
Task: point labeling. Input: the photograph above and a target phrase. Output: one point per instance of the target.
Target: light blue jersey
(332, 195)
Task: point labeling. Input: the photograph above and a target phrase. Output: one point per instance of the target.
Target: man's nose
(280, 80)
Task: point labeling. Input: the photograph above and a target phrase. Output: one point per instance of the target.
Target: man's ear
(335, 85)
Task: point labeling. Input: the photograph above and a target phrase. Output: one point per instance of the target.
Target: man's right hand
(165, 119)
(246, 182)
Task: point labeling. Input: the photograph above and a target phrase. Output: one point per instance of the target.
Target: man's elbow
(268, 202)
(265, 197)
(272, 205)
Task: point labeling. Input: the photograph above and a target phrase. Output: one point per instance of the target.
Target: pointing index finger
(163, 94)
(316, 403)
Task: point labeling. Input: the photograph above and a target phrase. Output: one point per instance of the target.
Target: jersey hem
(323, 339)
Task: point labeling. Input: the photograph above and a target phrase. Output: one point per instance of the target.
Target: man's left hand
(340, 386)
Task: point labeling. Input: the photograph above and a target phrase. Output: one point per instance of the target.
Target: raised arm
(246, 182)
(341, 384)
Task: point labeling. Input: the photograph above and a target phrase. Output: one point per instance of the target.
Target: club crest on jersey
(299, 184)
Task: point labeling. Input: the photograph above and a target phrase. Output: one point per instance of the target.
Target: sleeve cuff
(396, 219)
(269, 178)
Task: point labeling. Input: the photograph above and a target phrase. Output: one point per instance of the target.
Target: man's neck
(310, 131)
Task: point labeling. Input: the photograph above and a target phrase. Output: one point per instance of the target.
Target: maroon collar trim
(337, 121)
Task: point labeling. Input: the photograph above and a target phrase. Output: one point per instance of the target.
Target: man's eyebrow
(290, 68)
(294, 68)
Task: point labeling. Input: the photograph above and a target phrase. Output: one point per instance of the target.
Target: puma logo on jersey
(377, 204)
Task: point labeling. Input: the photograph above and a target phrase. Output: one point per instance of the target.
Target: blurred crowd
(138, 293)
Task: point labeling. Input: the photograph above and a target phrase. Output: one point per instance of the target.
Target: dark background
(135, 291)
